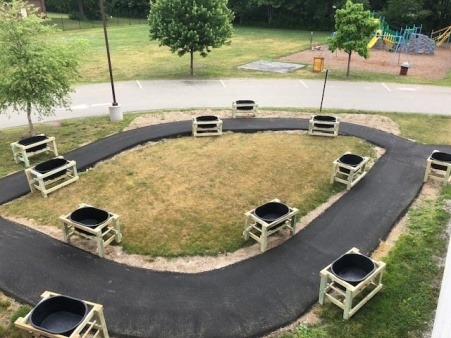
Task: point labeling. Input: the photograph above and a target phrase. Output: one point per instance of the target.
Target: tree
(240, 8)
(405, 13)
(189, 26)
(35, 72)
(354, 28)
(131, 8)
(270, 6)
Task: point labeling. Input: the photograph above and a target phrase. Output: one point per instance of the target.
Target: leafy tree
(354, 28)
(440, 14)
(402, 13)
(189, 26)
(240, 8)
(270, 6)
(132, 8)
(35, 72)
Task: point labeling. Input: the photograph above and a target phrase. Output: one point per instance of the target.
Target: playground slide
(372, 41)
(376, 37)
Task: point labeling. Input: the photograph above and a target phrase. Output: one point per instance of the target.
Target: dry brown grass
(187, 196)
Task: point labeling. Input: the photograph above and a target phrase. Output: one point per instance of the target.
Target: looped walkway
(249, 298)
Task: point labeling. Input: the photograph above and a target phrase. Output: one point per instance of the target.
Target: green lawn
(135, 57)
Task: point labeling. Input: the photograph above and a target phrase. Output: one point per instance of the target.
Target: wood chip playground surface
(434, 66)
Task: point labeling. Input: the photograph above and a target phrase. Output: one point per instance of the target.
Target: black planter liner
(271, 211)
(249, 102)
(90, 217)
(353, 268)
(440, 156)
(59, 315)
(324, 118)
(34, 139)
(50, 165)
(351, 160)
(207, 118)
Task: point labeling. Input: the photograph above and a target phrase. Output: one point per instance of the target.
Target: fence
(63, 22)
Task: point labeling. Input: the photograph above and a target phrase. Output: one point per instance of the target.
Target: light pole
(115, 109)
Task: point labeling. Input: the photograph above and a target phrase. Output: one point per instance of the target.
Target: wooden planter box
(343, 294)
(260, 230)
(321, 125)
(93, 325)
(23, 153)
(207, 125)
(347, 174)
(244, 107)
(47, 182)
(438, 170)
(103, 234)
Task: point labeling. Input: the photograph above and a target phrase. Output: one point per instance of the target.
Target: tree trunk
(349, 63)
(80, 8)
(192, 62)
(31, 132)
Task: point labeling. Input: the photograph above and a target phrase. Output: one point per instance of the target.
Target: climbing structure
(420, 44)
(409, 39)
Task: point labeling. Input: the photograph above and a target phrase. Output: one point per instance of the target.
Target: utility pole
(115, 109)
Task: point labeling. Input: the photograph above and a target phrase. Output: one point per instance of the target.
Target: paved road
(94, 99)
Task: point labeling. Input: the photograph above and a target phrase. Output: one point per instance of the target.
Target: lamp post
(115, 109)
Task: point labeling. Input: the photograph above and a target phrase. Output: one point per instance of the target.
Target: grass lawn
(401, 298)
(135, 57)
(187, 196)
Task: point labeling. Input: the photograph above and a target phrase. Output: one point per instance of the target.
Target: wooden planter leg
(334, 172)
(428, 169)
(264, 237)
(100, 248)
(347, 304)
(322, 289)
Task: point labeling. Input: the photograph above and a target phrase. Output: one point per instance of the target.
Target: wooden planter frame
(93, 325)
(315, 128)
(37, 181)
(204, 128)
(103, 238)
(237, 107)
(437, 174)
(355, 173)
(343, 294)
(260, 230)
(20, 151)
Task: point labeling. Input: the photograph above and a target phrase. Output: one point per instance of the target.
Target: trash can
(404, 68)
(318, 64)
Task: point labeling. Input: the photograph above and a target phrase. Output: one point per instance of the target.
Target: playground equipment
(377, 34)
(441, 36)
(408, 39)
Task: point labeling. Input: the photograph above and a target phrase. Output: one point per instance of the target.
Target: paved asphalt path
(94, 99)
(248, 298)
